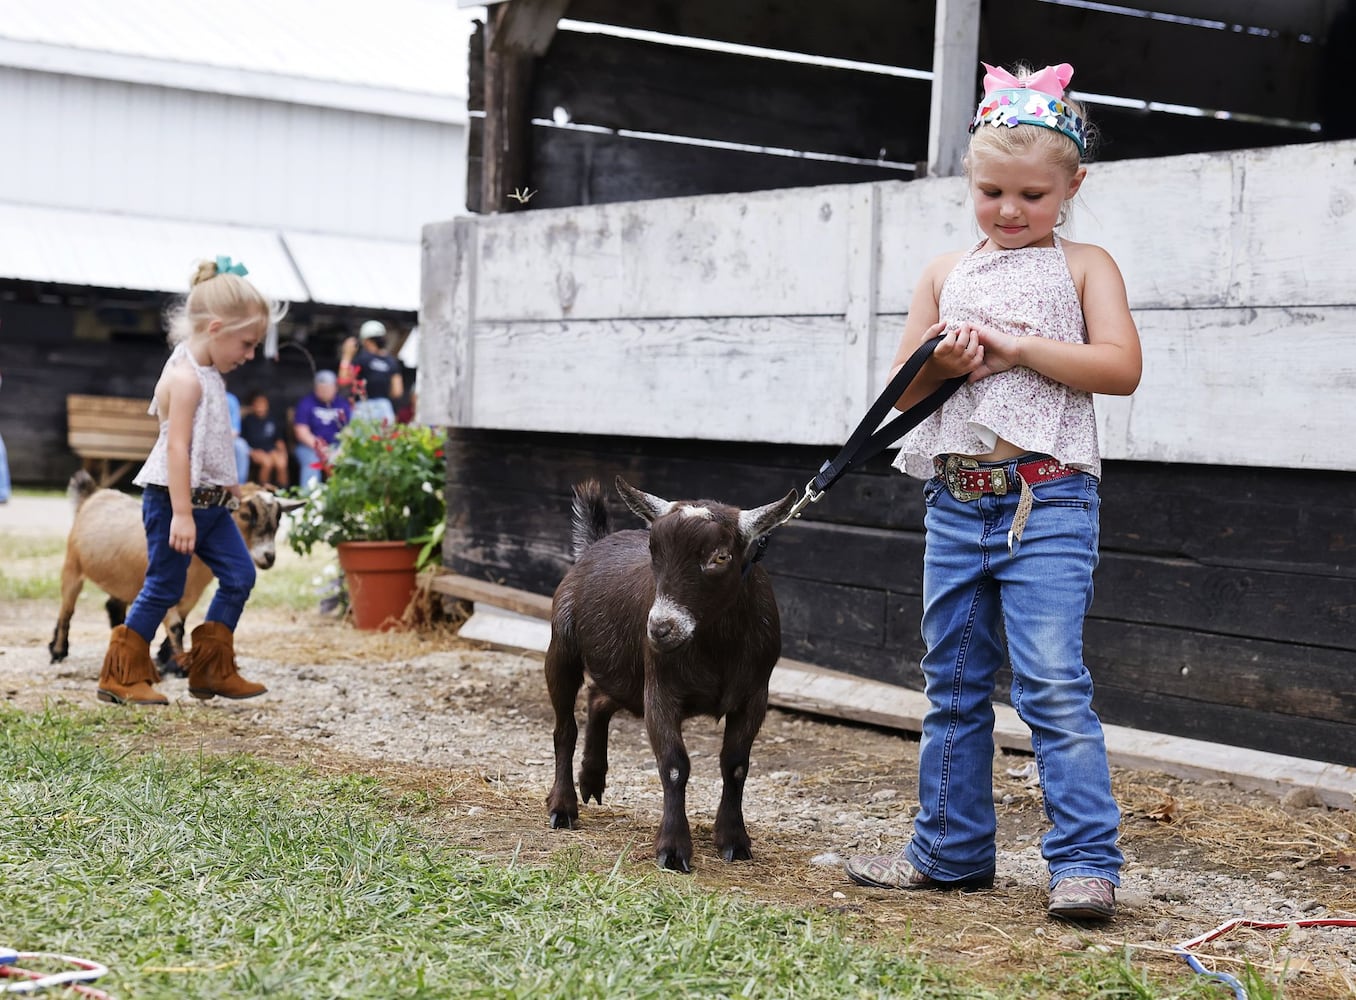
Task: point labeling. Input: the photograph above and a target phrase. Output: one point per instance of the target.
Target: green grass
(30, 569)
(31, 566)
(205, 877)
(196, 876)
(293, 582)
(19, 546)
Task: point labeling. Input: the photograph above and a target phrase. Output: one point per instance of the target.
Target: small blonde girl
(1011, 473)
(190, 488)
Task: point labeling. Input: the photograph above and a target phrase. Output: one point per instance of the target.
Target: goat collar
(759, 547)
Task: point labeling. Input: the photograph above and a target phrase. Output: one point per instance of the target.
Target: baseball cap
(372, 330)
(325, 377)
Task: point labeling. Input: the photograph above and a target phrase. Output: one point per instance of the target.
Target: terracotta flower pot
(381, 581)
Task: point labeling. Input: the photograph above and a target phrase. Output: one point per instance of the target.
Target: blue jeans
(219, 544)
(4, 473)
(973, 592)
(380, 409)
(308, 475)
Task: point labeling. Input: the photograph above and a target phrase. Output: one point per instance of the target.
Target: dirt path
(467, 732)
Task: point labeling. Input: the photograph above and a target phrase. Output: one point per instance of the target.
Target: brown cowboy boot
(211, 665)
(129, 671)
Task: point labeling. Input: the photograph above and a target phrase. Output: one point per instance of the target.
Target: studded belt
(966, 480)
(203, 497)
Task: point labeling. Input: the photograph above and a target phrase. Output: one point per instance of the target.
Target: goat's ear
(645, 506)
(760, 520)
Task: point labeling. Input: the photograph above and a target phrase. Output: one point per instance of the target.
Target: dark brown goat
(667, 624)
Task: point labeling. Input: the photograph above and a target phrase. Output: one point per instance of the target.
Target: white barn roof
(402, 57)
(330, 215)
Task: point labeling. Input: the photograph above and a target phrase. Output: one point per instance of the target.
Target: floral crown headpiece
(1034, 100)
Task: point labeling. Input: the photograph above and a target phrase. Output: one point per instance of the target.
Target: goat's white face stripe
(694, 510)
(666, 611)
(262, 538)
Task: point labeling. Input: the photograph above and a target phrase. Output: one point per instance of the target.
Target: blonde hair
(218, 295)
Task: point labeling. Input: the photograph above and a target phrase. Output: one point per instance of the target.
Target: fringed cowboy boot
(211, 665)
(129, 671)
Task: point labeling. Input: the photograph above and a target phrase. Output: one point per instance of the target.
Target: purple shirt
(325, 420)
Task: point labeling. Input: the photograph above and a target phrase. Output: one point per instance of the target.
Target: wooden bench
(111, 434)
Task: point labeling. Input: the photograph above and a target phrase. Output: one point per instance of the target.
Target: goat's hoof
(562, 821)
(740, 853)
(674, 861)
(57, 657)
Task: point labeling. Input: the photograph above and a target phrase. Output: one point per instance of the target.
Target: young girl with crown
(1037, 324)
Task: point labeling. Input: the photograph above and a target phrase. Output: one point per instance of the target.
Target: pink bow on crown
(1052, 80)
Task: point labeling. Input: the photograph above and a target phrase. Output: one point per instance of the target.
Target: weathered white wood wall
(773, 316)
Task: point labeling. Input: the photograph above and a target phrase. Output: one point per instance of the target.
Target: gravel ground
(471, 727)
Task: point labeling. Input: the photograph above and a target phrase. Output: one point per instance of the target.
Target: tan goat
(107, 546)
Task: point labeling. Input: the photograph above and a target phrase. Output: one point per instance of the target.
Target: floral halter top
(1023, 292)
(211, 454)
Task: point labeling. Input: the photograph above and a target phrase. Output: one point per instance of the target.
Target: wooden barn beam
(955, 54)
(527, 26)
(516, 34)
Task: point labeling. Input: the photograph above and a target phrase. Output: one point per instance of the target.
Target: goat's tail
(590, 516)
(81, 487)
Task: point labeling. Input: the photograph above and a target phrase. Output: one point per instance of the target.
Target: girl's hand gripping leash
(866, 443)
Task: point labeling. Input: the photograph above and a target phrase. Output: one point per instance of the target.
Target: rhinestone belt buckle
(951, 476)
(213, 496)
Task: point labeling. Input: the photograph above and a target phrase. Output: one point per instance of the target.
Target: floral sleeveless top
(211, 455)
(1024, 292)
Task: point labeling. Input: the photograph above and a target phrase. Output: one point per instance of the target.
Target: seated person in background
(268, 447)
(242, 450)
(371, 375)
(319, 418)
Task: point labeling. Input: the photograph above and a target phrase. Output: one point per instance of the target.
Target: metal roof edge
(40, 57)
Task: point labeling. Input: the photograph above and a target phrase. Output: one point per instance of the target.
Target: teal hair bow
(224, 266)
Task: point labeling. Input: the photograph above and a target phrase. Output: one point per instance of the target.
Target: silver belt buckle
(951, 476)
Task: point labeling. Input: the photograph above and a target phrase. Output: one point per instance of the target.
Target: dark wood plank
(1291, 679)
(584, 168)
(1126, 134)
(1249, 603)
(1216, 723)
(505, 139)
(744, 474)
(1228, 516)
(468, 589)
(475, 107)
(812, 608)
(1212, 515)
(890, 32)
(1223, 70)
(527, 27)
(626, 84)
(1204, 647)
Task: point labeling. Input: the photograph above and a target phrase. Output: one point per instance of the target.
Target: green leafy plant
(385, 484)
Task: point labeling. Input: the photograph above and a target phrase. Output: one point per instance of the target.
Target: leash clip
(810, 496)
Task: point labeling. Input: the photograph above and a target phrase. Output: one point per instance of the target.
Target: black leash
(865, 443)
